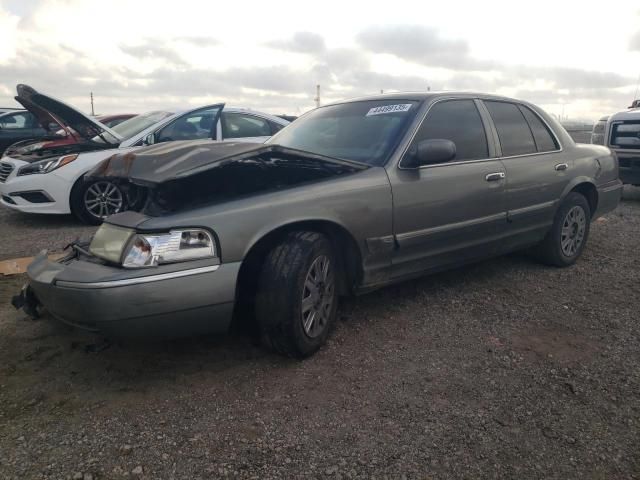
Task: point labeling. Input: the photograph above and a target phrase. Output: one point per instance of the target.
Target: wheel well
(344, 245)
(589, 191)
(74, 188)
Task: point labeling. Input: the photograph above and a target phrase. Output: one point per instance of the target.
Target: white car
(35, 178)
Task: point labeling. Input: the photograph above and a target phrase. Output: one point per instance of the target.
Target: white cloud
(140, 55)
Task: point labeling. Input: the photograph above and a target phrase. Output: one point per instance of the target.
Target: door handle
(492, 177)
(561, 167)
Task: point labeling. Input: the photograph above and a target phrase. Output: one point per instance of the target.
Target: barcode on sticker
(403, 107)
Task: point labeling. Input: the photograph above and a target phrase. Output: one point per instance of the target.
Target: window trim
(491, 146)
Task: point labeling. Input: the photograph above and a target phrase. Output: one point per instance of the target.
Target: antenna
(317, 99)
(92, 112)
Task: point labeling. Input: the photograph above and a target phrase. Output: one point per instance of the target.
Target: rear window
(513, 130)
(541, 134)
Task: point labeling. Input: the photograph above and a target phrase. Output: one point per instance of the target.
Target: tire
(106, 197)
(295, 313)
(568, 236)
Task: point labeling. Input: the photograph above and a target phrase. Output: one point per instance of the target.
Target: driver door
(452, 212)
(200, 124)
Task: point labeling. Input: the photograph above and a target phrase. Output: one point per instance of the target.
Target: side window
(15, 121)
(513, 130)
(541, 134)
(240, 125)
(196, 125)
(275, 127)
(460, 122)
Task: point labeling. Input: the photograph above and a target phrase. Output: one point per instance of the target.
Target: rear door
(449, 213)
(537, 173)
(245, 127)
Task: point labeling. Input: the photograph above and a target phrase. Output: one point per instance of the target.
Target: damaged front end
(184, 175)
(144, 277)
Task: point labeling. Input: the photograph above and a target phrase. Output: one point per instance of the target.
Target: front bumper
(629, 167)
(166, 301)
(44, 193)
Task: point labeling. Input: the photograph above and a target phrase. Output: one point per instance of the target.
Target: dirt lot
(505, 369)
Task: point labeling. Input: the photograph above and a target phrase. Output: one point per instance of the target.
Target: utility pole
(317, 99)
(92, 112)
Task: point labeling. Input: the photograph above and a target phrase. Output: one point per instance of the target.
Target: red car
(113, 120)
(65, 136)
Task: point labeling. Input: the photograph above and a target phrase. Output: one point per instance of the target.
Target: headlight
(136, 250)
(599, 130)
(45, 166)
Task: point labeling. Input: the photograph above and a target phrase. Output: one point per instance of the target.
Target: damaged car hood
(177, 160)
(49, 110)
(185, 174)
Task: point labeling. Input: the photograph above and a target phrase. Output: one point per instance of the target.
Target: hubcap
(573, 229)
(317, 296)
(103, 199)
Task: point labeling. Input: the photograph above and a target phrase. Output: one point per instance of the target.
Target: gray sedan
(350, 197)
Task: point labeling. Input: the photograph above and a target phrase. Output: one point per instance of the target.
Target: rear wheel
(93, 201)
(296, 301)
(567, 238)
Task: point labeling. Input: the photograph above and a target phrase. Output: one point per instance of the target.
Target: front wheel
(297, 299)
(567, 238)
(93, 201)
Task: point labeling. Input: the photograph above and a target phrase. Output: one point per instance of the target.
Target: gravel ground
(23, 235)
(504, 369)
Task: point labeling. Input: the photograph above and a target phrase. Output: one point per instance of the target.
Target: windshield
(134, 126)
(362, 131)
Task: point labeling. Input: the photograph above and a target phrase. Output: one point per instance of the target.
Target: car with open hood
(350, 197)
(40, 178)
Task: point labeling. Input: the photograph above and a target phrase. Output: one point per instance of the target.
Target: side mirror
(429, 152)
(149, 139)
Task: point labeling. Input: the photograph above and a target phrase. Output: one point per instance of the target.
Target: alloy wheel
(573, 229)
(317, 296)
(102, 199)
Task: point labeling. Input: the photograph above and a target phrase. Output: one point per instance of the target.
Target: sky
(579, 60)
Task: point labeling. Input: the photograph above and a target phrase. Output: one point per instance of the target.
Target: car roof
(2, 114)
(420, 96)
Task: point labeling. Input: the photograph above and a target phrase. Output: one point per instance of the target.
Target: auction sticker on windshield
(403, 107)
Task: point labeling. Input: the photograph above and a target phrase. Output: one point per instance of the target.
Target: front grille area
(626, 134)
(5, 171)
